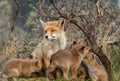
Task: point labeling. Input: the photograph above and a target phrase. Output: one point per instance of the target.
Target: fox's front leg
(74, 73)
(46, 62)
(84, 74)
(65, 72)
(26, 73)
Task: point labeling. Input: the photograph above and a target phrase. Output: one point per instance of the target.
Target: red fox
(20, 67)
(94, 66)
(54, 40)
(96, 70)
(66, 60)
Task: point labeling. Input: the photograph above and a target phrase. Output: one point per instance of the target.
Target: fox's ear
(42, 22)
(62, 23)
(36, 63)
(93, 57)
(30, 56)
(74, 42)
(87, 49)
(82, 49)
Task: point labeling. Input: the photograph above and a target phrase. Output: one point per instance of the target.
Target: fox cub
(20, 67)
(92, 66)
(96, 70)
(66, 60)
(54, 40)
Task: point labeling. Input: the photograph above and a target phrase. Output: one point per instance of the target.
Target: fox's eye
(45, 31)
(93, 57)
(54, 30)
(36, 63)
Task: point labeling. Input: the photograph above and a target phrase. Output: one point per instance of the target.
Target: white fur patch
(49, 36)
(51, 46)
(54, 35)
(50, 53)
(63, 40)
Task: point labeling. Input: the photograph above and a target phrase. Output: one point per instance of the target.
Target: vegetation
(95, 23)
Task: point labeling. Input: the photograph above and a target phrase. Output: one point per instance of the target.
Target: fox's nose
(46, 37)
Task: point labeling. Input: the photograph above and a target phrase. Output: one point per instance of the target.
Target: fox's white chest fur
(54, 39)
(49, 47)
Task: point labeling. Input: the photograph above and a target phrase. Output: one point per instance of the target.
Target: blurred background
(21, 31)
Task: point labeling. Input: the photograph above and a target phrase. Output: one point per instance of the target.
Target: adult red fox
(54, 40)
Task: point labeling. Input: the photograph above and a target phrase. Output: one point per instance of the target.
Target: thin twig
(26, 3)
(19, 6)
(72, 20)
(15, 17)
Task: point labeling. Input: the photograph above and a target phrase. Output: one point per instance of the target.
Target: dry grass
(24, 39)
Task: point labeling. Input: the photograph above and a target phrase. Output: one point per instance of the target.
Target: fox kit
(66, 60)
(54, 40)
(96, 70)
(19, 67)
(93, 66)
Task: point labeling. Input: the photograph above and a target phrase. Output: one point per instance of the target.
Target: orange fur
(20, 67)
(83, 72)
(96, 70)
(54, 39)
(67, 60)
